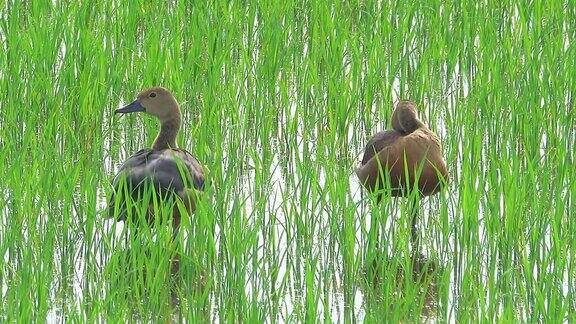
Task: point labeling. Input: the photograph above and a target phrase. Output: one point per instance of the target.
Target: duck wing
(379, 142)
(194, 167)
(405, 159)
(169, 171)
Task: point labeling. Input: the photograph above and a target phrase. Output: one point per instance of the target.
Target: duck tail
(111, 214)
(190, 198)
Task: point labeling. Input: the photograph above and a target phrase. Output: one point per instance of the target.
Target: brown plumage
(168, 170)
(410, 146)
(407, 157)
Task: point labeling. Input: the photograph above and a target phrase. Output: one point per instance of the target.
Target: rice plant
(278, 100)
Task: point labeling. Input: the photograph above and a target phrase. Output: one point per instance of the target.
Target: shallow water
(322, 244)
(343, 298)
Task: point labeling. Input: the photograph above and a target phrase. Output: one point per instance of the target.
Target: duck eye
(153, 94)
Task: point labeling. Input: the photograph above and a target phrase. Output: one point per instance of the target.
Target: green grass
(279, 98)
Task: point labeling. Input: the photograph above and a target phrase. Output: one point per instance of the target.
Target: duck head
(157, 101)
(405, 117)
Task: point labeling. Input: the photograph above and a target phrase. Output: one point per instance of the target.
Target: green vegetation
(279, 98)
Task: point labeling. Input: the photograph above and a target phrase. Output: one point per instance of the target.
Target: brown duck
(164, 167)
(407, 157)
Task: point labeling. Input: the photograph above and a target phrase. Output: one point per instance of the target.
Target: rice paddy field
(279, 99)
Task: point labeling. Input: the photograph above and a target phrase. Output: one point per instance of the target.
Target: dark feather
(169, 171)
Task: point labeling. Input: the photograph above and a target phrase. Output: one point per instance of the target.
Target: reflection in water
(142, 274)
(415, 279)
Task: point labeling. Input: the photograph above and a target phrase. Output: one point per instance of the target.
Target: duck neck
(167, 136)
(411, 126)
(405, 121)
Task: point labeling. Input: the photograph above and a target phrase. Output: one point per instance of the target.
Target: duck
(167, 169)
(408, 157)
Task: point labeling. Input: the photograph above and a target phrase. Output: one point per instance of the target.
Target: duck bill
(135, 106)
